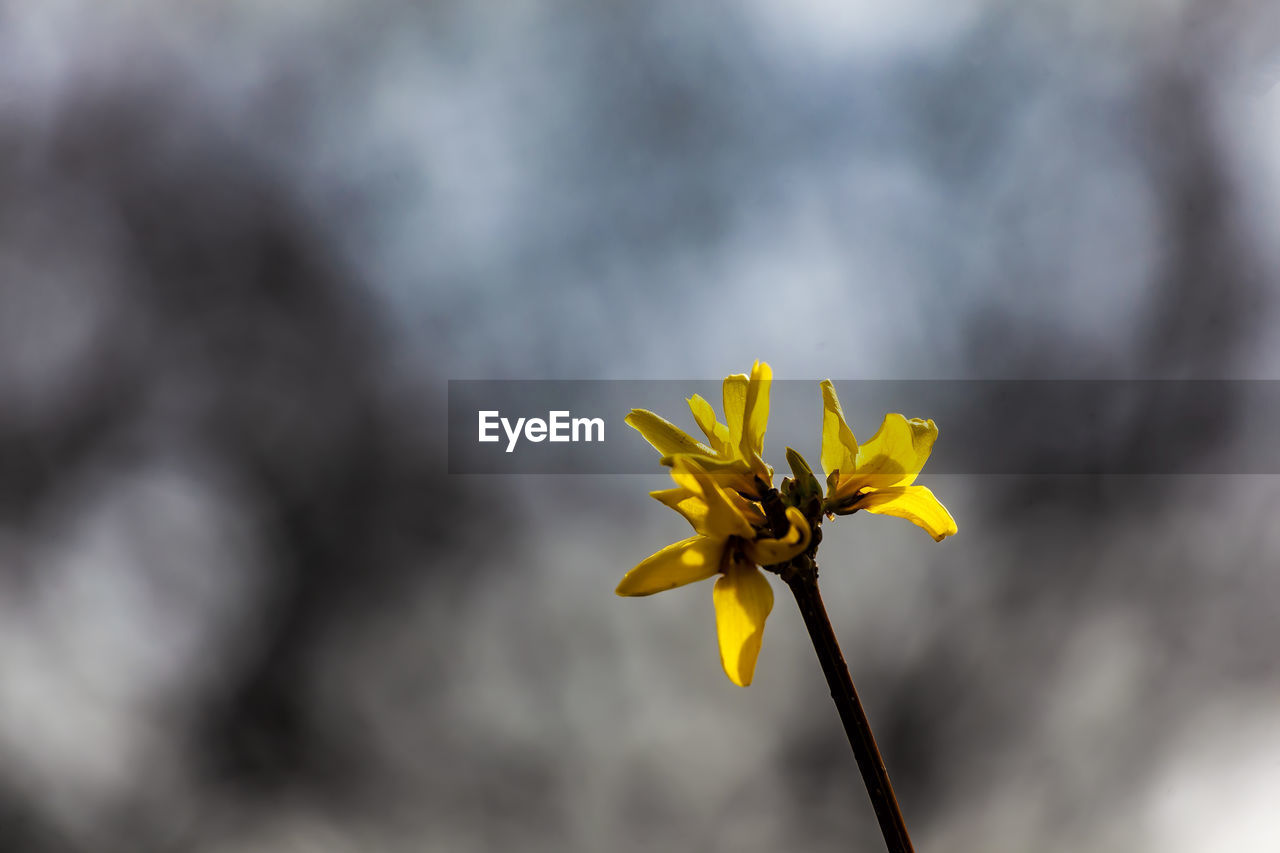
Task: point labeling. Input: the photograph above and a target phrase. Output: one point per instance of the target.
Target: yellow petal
(767, 552)
(735, 406)
(693, 506)
(732, 474)
(839, 447)
(722, 517)
(743, 599)
(896, 453)
(914, 503)
(664, 435)
(686, 561)
(756, 409)
(685, 502)
(717, 433)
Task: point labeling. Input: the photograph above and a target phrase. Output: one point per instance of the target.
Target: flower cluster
(724, 489)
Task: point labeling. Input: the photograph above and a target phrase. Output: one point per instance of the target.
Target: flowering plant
(742, 524)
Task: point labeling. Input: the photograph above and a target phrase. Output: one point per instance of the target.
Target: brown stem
(803, 581)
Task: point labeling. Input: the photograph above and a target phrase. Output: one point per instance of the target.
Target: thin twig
(802, 577)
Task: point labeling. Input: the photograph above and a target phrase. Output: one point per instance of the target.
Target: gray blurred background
(243, 246)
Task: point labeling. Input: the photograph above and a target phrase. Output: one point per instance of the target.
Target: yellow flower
(734, 449)
(727, 542)
(879, 474)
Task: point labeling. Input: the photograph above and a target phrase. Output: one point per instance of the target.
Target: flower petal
(664, 435)
(717, 433)
(743, 599)
(896, 453)
(914, 503)
(756, 420)
(767, 552)
(839, 447)
(732, 474)
(687, 503)
(693, 506)
(735, 406)
(756, 410)
(722, 518)
(686, 561)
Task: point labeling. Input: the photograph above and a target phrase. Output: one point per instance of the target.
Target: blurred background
(243, 247)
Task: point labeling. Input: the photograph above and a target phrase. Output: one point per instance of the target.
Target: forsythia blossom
(729, 542)
(879, 474)
(733, 450)
(724, 489)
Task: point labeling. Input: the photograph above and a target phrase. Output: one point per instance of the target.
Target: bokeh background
(243, 246)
